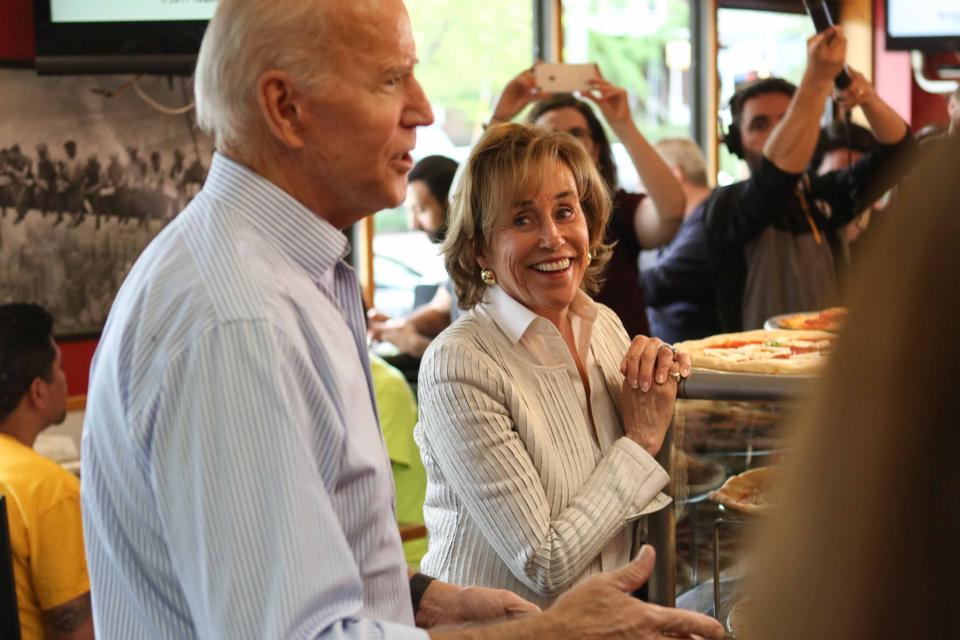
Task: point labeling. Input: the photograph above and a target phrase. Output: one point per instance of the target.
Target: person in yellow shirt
(43, 499)
(398, 417)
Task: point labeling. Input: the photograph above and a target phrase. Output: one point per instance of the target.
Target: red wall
(16, 30)
(76, 363)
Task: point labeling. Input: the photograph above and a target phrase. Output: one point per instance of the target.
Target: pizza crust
(759, 358)
(746, 492)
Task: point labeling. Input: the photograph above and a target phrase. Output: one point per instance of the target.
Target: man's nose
(418, 111)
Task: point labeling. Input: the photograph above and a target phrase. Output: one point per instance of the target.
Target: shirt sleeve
(58, 567)
(249, 520)
(850, 191)
(683, 272)
(738, 213)
(470, 433)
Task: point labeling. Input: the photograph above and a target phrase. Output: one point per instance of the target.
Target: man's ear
(280, 107)
(38, 394)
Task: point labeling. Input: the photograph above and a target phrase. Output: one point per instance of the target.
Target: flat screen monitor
(926, 25)
(120, 36)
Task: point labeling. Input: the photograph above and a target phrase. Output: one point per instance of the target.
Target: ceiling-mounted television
(925, 25)
(119, 36)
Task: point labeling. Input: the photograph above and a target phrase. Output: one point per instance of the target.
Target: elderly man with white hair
(235, 481)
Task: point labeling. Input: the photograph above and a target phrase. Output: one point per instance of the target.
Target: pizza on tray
(831, 319)
(747, 491)
(768, 351)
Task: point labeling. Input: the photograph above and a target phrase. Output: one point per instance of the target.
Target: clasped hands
(651, 370)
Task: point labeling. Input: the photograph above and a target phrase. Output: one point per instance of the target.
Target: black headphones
(731, 138)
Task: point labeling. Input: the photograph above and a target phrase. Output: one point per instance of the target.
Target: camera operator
(774, 237)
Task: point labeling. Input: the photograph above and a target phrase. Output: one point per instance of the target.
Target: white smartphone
(564, 78)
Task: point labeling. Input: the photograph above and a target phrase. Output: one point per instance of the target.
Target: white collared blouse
(521, 493)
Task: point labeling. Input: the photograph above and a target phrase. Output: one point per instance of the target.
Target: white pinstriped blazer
(520, 495)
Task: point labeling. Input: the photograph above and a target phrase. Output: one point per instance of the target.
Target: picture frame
(91, 169)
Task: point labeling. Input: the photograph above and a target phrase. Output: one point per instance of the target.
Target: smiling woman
(539, 417)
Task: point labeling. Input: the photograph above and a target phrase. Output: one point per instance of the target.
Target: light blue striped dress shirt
(235, 481)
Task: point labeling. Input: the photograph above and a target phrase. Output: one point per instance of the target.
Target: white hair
(244, 39)
(685, 155)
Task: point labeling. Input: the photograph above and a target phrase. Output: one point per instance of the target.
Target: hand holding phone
(565, 78)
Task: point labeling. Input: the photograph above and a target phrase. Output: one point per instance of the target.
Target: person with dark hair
(861, 536)
(636, 221)
(842, 145)
(428, 188)
(43, 498)
(427, 203)
(773, 238)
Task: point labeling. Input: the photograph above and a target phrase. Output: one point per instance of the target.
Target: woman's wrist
(625, 129)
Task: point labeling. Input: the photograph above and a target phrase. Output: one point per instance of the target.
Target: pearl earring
(488, 277)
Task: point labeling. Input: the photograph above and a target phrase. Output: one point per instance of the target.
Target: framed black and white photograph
(91, 169)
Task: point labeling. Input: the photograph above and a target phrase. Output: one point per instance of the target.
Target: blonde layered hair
(510, 160)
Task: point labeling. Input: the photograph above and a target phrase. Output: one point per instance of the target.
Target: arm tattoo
(67, 618)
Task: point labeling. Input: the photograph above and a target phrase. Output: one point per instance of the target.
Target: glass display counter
(724, 424)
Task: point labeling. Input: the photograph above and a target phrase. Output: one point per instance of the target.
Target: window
(644, 47)
(468, 51)
(755, 44)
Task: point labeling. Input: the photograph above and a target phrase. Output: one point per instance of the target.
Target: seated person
(398, 416)
(428, 186)
(539, 417)
(636, 221)
(773, 238)
(678, 287)
(43, 498)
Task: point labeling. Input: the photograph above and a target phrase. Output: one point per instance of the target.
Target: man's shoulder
(207, 264)
(725, 193)
(36, 483)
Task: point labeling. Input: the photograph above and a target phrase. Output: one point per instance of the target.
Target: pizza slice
(831, 319)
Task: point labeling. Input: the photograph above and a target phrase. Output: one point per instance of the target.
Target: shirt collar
(515, 320)
(297, 232)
